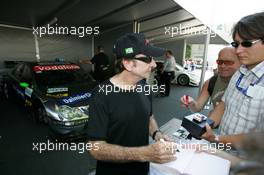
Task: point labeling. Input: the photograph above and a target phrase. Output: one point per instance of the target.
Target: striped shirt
(244, 112)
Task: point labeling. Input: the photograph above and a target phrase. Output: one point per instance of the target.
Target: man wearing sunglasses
(241, 110)
(121, 121)
(214, 88)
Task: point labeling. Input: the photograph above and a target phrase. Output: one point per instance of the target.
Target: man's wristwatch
(154, 134)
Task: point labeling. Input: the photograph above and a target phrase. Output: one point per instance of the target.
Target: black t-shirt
(101, 59)
(120, 118)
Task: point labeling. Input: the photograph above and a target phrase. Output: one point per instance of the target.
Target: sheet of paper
(207, 164)
(184, 157)
(192, 163)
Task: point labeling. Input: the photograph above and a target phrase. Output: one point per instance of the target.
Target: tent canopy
(153, 15)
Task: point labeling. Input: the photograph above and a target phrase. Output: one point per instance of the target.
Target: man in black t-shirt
(121, 118)
(101, 65)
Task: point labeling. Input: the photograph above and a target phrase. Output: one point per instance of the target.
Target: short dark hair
(120, 65)
(169, 51)
(100, 47)
(250, 27)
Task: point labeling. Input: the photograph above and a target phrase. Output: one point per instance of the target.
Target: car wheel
(6, 91)
(183, 80)
(41, 115)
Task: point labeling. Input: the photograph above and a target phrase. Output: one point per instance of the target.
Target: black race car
(56, 93)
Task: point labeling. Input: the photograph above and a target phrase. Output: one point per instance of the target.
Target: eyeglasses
(144, 59)
(226, 62)
(247, 44)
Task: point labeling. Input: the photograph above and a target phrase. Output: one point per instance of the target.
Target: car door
(27, 79)
(14, 83)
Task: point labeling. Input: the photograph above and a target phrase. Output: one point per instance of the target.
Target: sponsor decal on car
(75, 98)
(28, 103)
(28, 92)
(54, 90)
(57, 95)
(55, 67)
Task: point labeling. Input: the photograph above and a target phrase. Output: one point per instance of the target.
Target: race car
(55, 93)
(183, 77)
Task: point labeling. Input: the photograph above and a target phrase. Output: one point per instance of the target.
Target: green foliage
(188, 53)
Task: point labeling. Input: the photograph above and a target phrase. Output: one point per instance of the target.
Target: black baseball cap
(132, 44)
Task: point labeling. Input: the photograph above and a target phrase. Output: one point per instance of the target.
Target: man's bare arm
(198, 104)
(235, 140)
(156, 152)
(153, 126)
(110, 152)
(217, 114)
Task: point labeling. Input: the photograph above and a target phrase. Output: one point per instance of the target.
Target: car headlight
(68, 123)
(67, 113)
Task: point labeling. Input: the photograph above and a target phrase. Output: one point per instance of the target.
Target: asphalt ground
(19, 134)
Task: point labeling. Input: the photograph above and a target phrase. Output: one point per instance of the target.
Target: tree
(188, 51)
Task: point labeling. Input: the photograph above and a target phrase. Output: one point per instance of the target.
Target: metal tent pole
(34, 34)
(206, 44)
(37, 47)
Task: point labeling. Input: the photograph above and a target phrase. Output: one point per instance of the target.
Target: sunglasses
(144, 59)
(226, 62)
(235, 44)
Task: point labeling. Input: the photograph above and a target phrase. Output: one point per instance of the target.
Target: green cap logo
(129, 50)
(24, 84)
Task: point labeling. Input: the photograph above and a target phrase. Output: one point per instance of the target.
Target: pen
(186, 100)
(163, 141)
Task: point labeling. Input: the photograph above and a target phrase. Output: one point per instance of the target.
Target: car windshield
(61, 77)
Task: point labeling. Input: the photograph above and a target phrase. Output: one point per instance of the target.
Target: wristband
(154, 134)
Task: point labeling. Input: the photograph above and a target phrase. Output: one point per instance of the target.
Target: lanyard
(244, 90)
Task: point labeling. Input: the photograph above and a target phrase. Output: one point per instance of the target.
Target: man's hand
(186, 100)
(160, 136)
(161, 152)
(209, 134)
